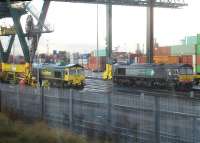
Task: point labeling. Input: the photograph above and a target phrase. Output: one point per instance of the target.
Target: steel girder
(35, 39)
(16, 19)
(5, 10)
(4, 55)
(146, 3)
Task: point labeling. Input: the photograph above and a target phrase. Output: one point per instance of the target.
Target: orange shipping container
(161, 59)
(93, 61)
(186, 59)
(198, 59)
(142, 59)
(162, 51)
(166, 59)
(173, 60)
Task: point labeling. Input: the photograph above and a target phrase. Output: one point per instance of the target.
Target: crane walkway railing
(35, 13)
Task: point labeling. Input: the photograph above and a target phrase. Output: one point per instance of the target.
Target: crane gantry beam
(146, 3)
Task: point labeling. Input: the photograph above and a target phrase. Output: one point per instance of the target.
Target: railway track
(98, 85)
(94, 84)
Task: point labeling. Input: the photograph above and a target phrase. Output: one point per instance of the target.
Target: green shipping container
(198, 69)
(190, 40)
(198, 49)
(101, 53)
(198, 39)
(182, 50)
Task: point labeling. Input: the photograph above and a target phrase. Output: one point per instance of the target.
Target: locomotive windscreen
(58, 74)
(121, 71)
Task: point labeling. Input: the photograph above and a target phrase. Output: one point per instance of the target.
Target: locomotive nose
(185, 78)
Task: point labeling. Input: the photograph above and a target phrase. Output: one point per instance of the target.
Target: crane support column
(43, 15)
(150, 32)
(16, 19)
(5, 55)
(109, 31)
(108, 72)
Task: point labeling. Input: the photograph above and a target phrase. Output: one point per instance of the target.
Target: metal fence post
(42, 103)
(109, 116)
(157, 120)
(71, 109)
(0, 100)
(19, 93)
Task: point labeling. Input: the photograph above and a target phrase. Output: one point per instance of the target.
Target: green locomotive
(71, 75)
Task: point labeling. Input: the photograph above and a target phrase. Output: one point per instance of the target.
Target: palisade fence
(122, 117)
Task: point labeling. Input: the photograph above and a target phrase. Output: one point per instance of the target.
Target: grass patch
(18, 132)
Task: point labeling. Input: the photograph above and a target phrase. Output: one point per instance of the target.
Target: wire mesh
(125, 117)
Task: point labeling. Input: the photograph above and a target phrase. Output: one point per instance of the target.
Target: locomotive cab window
(186, 71)
(67, 72)
(72, 72)
(79, 71)
(58, 74)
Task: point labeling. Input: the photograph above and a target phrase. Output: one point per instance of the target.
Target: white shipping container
(74, 61)
(83, 61)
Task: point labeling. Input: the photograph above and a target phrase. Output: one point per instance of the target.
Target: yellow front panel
(74, 79)
(20, 68)
(196, 76)
(186, 78)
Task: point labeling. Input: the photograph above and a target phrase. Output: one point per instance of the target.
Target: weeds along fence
(123, 117)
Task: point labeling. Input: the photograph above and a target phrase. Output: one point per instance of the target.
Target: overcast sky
(76, 30)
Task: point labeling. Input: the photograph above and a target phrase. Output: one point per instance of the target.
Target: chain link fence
(121, 117)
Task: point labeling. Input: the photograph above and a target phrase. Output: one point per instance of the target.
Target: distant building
(74, 58)
(54, 52)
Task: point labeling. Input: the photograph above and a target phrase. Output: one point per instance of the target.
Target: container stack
(83, 60)
(198, 54)
(162, 51)
(186, 59)
(97, 64)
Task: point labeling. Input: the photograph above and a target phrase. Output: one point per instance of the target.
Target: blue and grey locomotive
(154, 75)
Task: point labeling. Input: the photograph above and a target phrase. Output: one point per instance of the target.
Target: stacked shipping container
(179, 50)
(97, 63)
(185, 59)
(161, 59)
(162, 51)
(198, 54)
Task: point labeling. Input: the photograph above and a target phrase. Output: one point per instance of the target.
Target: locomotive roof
(147, 65)
(55, 66)
(73, 65)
